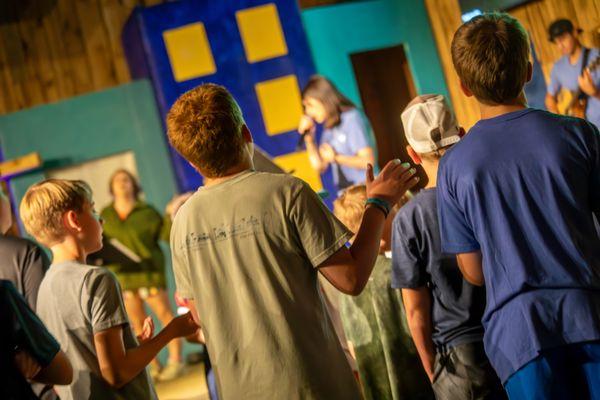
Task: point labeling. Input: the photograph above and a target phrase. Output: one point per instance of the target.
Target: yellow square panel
(298, 165)
(280, 103)
(261, 33)
(189, 52)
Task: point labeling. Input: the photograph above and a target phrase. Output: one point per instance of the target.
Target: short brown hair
(321, 89)
(490, 54)
(350, 206)
(44, 204)
(205, 127)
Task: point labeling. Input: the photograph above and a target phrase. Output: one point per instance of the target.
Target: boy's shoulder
(412, 212)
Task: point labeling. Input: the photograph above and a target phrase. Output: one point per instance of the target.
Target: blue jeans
(562, 373)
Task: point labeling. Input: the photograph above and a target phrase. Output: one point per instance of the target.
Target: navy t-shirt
(522, 187)
(417, 261)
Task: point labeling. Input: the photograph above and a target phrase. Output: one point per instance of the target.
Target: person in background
(516, 198)
(139, 227)
(347, 142)
(82, 305)
(23, 263)
(444, 310)
(374, 321)
(570, 71)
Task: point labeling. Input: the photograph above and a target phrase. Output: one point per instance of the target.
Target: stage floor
(191, 386)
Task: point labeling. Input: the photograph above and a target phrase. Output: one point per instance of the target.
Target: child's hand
(392, 182)
(147, 330)
(183, 325)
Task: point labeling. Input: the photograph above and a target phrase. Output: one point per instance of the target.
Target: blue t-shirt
(522, 187)
(417, 261)
(352, 134)
(564, 75)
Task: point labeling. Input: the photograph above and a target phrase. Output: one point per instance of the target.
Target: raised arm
(349, 269)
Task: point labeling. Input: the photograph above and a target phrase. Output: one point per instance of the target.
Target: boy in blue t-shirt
(443, 310)
(516, 199)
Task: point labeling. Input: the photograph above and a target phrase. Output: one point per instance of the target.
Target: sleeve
(456, 234)
(319, 232)
(35, 267)
(180, 266)
(357, 133)
(407, 270)
(554, 85)
(104, 301)
(31, 334)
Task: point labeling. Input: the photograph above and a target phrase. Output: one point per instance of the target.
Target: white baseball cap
(429, 124)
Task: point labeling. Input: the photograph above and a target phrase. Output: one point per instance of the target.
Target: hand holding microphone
(305, 127)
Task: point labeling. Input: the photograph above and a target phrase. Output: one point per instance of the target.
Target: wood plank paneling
(535, 17)
(66, 48)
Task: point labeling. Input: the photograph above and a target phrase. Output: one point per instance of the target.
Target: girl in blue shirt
(347, 142)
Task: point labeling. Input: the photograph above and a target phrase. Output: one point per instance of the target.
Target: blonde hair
(44, 204)
(350, 206)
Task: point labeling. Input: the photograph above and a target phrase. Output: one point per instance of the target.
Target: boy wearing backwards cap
(443, 310)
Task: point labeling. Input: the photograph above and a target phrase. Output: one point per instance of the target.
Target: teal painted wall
(93, 126)
(334, 32)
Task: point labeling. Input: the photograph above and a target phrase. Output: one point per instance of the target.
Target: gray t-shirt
(247, 251)
(24, 263)
(76, 301)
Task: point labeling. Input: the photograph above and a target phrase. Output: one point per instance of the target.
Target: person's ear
(466, 91)
(71, 221)
(246, 134)
(413, 155)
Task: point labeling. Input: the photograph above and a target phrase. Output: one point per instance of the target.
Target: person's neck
(231, 173)
(431, 169)
(574, 56)
(125, 201)
(490, 111)
(68, 250)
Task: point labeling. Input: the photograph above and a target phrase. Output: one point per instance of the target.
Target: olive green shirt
(140, 232)
(247, 250)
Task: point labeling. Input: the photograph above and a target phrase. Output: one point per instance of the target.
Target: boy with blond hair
(82, 305)
(516, 201)
(374, 321)
(443, 310)
(247, 248)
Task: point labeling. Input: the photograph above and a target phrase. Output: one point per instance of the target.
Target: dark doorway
(386, 87)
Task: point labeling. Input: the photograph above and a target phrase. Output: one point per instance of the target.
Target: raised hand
(392, 182)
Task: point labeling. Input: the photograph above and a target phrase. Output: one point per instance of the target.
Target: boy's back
(527, 182)
(250, 267)
(75, 301)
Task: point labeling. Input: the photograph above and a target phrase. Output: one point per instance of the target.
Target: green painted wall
(334, 32)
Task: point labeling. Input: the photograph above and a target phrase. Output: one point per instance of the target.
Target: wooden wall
(535, 17)
(55, 49)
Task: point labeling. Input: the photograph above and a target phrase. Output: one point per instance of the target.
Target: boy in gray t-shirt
(82, 306)
(247, 249)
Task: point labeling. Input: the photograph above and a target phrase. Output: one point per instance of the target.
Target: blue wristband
(381, 204)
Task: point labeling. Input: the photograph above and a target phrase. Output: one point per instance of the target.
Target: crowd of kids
(489, 277)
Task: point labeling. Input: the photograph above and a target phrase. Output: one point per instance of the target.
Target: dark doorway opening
(386, 86)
